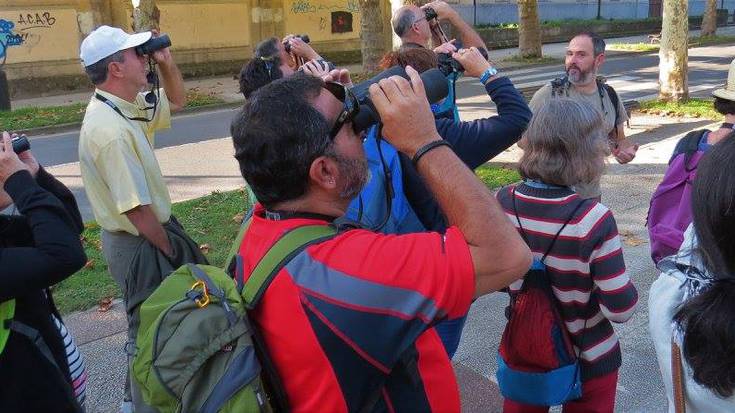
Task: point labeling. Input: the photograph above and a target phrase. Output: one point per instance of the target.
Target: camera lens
(20, 144)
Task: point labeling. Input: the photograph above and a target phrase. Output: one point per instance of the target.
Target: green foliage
(27, 118)
(633, 47)
(195, 98)
(212, 221)
(36, 117)
(696, 108)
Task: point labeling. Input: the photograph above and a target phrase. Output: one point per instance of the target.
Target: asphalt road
(633, 76)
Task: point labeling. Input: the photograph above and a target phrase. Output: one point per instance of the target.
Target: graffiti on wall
(8, 38)
(26, 30)
(307, 7)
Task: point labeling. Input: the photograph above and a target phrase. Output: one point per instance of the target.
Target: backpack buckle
(202, 298)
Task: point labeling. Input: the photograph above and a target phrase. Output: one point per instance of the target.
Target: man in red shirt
(348, 322)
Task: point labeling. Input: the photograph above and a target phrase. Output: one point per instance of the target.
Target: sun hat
(105, 41)
(728, 92)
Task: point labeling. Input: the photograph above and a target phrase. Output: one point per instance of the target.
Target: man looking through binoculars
(416, 26)
(141, 241)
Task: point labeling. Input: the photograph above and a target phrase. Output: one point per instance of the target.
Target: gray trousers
(119, 249)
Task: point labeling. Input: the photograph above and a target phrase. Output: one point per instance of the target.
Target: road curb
(68, 127)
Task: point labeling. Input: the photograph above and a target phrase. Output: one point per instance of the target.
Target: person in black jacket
(38, 248)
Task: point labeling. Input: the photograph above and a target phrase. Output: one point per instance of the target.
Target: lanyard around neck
(114, 107)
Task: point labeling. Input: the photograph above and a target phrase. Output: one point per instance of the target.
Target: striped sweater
(585, 266)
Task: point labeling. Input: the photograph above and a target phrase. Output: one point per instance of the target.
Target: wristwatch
(487, 74)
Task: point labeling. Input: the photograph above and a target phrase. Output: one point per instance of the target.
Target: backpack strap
(677, 378)
(553, 241)
(560, 87)
(34, 336)
(211, 288)
(285, 249)
(688, 145)
(7, 312)
(615, 99)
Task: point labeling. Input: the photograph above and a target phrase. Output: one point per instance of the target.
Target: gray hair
(403, 20)
(566, 144)
(598, 43)
(97, 72)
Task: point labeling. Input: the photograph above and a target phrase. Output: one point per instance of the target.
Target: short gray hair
(403, 20)
(598, 43)
(97, 71)
(566, 144)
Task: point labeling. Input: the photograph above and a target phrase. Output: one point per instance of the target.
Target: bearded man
(585, 55)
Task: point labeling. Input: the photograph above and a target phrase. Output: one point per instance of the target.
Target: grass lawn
(212, 221)
(693, 42)
(27, 118)
(633, 47)
(517, 60)
(695, 107)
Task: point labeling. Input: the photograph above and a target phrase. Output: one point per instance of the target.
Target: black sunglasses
(350, 106)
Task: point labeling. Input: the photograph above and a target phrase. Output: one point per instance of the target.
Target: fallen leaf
(204, 248)
(631, 239)
(89, 264)
(104, 305)
(239, 217)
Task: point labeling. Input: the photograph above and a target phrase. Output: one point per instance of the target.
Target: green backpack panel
(195, 349)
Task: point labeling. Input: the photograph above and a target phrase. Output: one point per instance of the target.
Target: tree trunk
(529, 29)
(709, 21)
(673, 55)
(371, 34)
(146, 16)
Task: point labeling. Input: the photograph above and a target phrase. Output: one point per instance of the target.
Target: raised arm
(478, 141)
(465, 32)
(42, 246)
(499, 255)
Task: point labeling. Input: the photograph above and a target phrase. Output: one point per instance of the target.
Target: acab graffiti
(8, 38)
(306, 7)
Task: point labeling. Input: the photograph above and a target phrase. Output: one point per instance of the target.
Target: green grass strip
(694, 107)
(36, 117)
(212, 221)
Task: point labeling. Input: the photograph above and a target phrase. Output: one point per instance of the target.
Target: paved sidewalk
(227, 88)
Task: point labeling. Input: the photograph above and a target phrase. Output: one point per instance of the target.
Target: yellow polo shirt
(119, 167)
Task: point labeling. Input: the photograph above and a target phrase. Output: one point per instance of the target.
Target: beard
(578, 76)
(355, 173)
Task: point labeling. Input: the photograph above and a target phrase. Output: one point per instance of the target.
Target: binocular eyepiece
(20, 144)
(303, 37)
(153, 44)
(430, 14)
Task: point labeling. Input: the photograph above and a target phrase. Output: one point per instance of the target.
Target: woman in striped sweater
(585, 264)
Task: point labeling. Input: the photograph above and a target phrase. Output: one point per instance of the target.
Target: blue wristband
(487, 74)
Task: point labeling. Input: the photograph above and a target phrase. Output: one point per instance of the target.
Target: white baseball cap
(105, 41)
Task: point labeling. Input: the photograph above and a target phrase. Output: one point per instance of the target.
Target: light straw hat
(728, 92)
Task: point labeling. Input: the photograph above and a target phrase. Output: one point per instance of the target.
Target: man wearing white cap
(141, 241)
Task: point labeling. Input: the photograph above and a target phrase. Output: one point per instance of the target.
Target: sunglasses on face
(350, 106)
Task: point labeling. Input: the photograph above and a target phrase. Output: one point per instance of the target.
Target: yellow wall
(49, 33)
(202, 31)
(313, 17)
(206, 24)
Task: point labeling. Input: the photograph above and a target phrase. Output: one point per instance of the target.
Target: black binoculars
(20, 144)
(430, 14)
(303, 37)
(153, 44)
